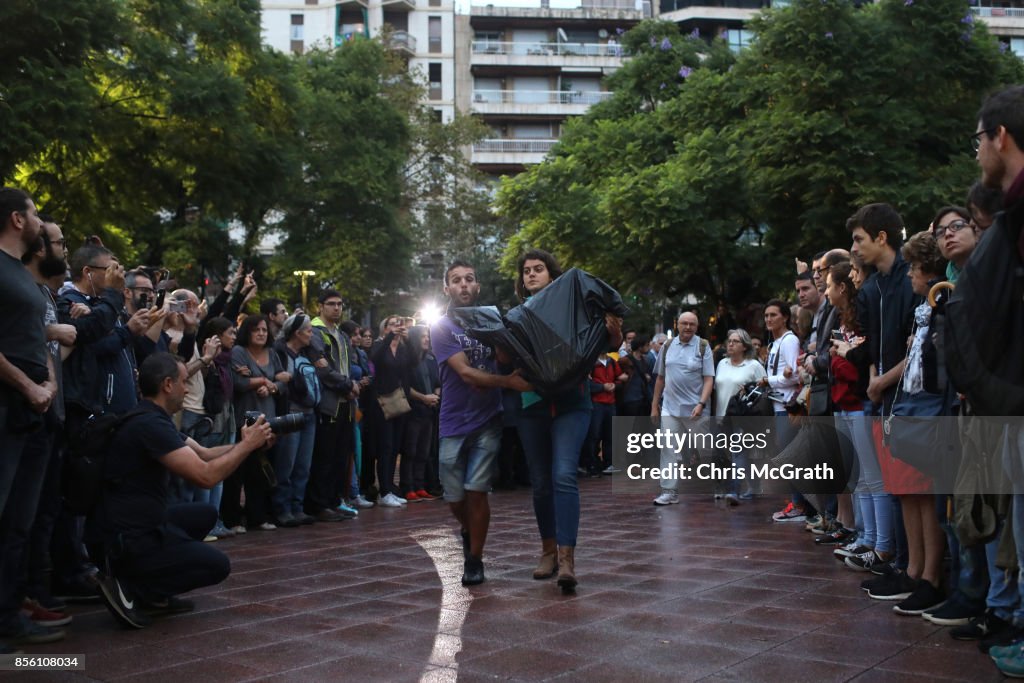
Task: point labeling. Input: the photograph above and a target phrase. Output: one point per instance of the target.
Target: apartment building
(526, 70)
(421, 30)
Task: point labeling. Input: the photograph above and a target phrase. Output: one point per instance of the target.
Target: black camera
(283, 424)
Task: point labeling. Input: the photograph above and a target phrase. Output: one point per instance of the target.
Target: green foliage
(711, 184)
(122, 117)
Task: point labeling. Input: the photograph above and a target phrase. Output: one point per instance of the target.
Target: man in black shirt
(27, 388)
(155, 551)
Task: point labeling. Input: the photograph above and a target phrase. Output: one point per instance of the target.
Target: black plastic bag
(556, 335)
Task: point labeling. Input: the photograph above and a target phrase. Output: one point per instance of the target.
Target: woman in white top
(736, 370)
(784, 382)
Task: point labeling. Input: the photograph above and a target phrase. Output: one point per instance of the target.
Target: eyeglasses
(976, 138)
(62, 242)
(939, 231)
(144, 290)
(823, 271)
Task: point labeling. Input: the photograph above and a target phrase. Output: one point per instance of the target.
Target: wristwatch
(702, 404)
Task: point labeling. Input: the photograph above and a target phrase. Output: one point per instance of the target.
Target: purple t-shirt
(464, 408)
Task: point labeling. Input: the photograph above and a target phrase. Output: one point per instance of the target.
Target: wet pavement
(687, 592)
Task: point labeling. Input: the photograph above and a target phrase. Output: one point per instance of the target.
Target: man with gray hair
(686, 375)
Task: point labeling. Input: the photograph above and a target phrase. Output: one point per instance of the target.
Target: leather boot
(567, 569)
(548, 560)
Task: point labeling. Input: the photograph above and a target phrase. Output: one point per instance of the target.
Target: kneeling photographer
(155, 552)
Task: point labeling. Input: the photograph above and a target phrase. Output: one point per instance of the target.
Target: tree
(710, 182)
(185, 109)
(343, 219)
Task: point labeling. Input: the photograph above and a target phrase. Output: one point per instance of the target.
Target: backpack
(83, 478)
(304, 387)
(985, 319)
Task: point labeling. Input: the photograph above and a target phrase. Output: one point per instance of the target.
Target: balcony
(563, 55)
(527, 102)
(511, 152)
(398, 5)
(1002, 21)
(679, 11)
(619, 10)
(404, 42)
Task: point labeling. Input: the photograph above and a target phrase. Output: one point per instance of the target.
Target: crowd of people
(224, 422)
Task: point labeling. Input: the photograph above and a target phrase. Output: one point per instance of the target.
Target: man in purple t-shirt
(470, 418)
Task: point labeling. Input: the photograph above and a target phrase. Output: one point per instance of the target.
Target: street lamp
(305, 275)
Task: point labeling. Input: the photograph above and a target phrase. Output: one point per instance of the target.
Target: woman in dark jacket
(425, 397)
(258, 379)
(392, 359)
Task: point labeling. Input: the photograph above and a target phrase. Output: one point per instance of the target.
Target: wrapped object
(554, 336)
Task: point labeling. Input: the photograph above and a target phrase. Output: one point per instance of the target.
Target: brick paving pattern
(692, 591)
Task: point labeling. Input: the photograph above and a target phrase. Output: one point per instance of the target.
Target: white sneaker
(611, 469)
(401, 500)
(239, 529)
(667, 498)
(360, 502)
(390, 501)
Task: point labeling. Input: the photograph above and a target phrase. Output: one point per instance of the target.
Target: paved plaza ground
(688, 592)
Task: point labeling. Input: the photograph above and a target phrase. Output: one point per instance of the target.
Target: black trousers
(332, 460)
(172, 560)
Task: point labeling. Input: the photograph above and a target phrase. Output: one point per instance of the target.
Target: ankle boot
(548, 560)
(567, 569)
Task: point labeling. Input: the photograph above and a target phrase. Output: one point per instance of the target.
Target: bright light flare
(430, 313)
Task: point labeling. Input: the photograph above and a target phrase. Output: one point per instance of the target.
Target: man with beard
(28, 387)
(39, 499)
(470, 421)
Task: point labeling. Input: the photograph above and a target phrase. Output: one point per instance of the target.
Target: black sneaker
(120, 604)
(885, 568)
(1006, 636)
(839, 536)
(473, 572)
(895, 587)
(171, 605)
(925, 596)
(980, 627)
(79, 591)
(953, 613)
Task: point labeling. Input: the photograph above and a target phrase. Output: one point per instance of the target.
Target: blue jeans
(552, 446)
(291, 467)
(873, 505)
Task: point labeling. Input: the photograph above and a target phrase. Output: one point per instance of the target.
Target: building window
(434, 35)
(434, 80)
(438, 115)
(738, 38)
(311, 2)
(434, 3)
(298, 29)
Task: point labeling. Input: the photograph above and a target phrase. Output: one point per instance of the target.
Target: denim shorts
(469, 461)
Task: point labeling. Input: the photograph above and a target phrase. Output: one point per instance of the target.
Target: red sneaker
(422, 494)
(412, 496)
(42, 616)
